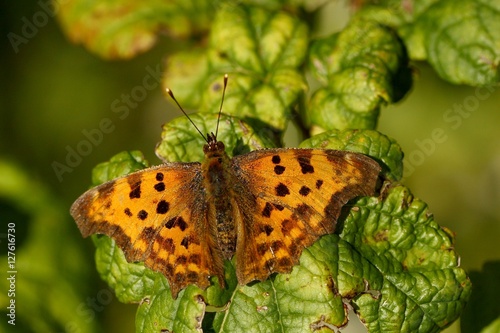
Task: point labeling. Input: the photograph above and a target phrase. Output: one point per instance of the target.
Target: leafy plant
(388, 260)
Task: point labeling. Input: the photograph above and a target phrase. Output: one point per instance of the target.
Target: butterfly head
(213, 147)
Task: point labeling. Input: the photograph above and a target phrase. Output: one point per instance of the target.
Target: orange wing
(156, 215)
(289, 198)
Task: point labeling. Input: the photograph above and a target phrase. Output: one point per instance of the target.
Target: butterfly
(264, 207)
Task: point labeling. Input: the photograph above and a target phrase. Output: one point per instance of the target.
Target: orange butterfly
(265, 207)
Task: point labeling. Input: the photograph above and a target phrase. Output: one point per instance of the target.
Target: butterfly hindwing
(156, 215)
(297, 197)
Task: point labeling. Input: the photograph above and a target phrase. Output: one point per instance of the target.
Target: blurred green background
(53, 92)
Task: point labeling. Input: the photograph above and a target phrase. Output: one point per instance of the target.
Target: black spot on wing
(135, 193)
(304, 159)
(276, 159)
(162, 207)
(279, 169)
(160, 187)
(278, 207)
(319, 183)
(285, 262)
(177, 221)
(142, 215)
(127, 212)
(304, 211)
(147, 234)
(195, 259)
(282, 190)
(134, 181)
(159, 176)
(168, 245)
(185, 242)
(266, 212)
(192, 276)
(262, 248)
(181, 260)
(277, 245)
(267, 229)
(304, 191)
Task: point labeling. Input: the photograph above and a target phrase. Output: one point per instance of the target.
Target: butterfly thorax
(218, 182)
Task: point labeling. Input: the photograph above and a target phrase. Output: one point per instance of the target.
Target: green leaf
(369, 142)
(130, 281)
(134, 283)
(460, 39)
(123, 29)
(119, 165)
(262, 52)
(359, 68)
(160, 313)
(424, 289)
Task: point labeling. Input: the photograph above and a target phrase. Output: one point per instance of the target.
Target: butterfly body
(264, 207)
(219, 185)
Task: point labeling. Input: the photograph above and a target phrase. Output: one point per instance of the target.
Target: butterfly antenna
(180, 107)
(221, 103)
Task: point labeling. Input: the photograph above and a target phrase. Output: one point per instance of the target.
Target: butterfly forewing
(297, 197)
(155, 215)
